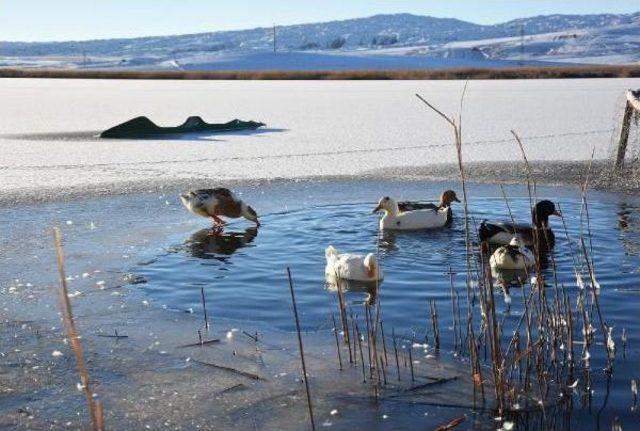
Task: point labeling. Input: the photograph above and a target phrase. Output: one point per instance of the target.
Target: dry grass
(550, 72)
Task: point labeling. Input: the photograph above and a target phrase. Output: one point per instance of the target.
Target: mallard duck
(540, 232)
(349, 266)
(512, 256)
(218, 202)
(395, 219)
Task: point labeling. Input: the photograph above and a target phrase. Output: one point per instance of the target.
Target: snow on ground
(313, 127)
(355, 43)
(339, 60)
(608, 45)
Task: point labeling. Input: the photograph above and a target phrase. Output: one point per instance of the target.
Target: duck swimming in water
(512, 257)
(353, 267)
(446, 199)
(539, 232)
(218, 202)
(395, 219)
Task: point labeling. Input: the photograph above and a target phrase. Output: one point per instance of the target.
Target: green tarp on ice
(142, 127)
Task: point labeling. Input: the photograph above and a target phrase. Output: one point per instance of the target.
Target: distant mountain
(376, 35)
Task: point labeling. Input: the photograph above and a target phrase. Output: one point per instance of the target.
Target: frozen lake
(313, 128)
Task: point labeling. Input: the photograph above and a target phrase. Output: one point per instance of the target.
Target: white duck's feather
(512, 257)
(349, 266)
(394, 219)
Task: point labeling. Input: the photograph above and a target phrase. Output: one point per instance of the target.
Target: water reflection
(367, 288)
(629, 227)
(212, 244)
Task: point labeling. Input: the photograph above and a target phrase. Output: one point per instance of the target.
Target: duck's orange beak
(376, 209)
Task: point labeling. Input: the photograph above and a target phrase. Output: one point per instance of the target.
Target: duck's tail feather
(331, 252)
(371, 263)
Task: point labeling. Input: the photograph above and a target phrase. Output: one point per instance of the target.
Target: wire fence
(528, 139)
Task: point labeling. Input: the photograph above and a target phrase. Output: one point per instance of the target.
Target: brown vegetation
(550, 72)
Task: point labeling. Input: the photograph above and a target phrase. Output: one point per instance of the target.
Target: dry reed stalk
(96, 412)
(384, 370)
(595, 297)
(354, 338)
(384, 344)
(335, 332)
(369, 339)
(355, 328)
(457, 135)
(455, 314)
(434, 323)
(395, 350)
(343, 317)
(246, 374)
(410, 349)
(204, 308)
(304, 366)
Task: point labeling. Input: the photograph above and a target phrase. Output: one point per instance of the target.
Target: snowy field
(314, 128)
(396, 41)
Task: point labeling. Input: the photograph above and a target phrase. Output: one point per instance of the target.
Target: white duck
(394, 219)
(512, 256)
(218, 202)
(349, 266)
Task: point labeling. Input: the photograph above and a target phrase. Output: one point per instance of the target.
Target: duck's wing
(220, 201)
(492, 229)
(220, 193)
(415, 205)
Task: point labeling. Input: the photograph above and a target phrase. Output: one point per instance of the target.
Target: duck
(395, 219)
(216, 203)
(354, 267)
(501, 233)
(447, 197)
(512, 257)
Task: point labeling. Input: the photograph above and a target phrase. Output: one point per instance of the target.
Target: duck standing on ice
(218, 202)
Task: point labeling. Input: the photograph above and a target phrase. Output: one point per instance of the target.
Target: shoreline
(565, 173)
(460, 73)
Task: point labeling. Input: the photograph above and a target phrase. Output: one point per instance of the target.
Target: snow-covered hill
(381, 41)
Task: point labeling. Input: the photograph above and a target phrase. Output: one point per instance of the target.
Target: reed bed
(530, 372)
(530, 72)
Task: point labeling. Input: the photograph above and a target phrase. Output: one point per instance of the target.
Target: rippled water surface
(243, 271)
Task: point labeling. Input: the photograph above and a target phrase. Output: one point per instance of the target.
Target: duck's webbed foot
(216, 230)
(218, 221)
(218, 225)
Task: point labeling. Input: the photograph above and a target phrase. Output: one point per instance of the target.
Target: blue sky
(38, 20)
